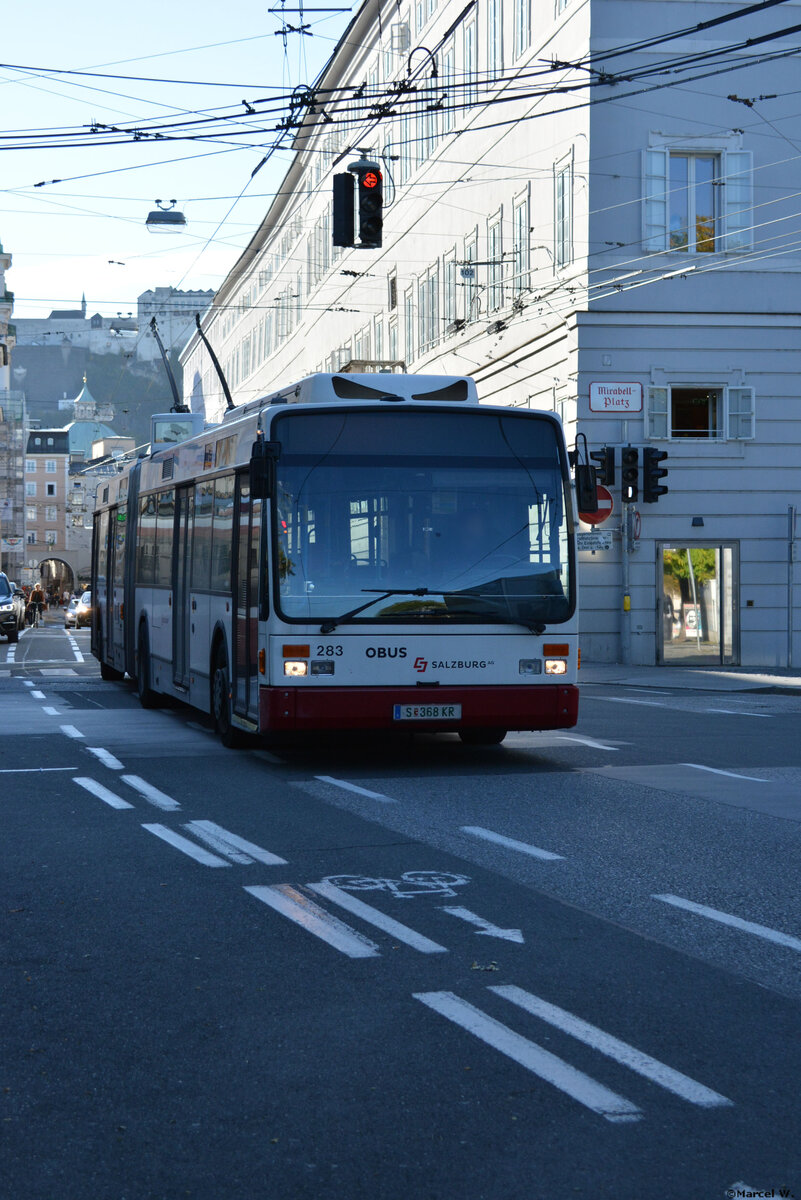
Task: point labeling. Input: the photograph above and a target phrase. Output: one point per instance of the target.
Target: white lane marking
(352, 787)
(585, 741)
(729, 774)
(237, 848)
(28, 683)
(485, 928)
(304, 912)
(51, 712)
(647, 703)
(160, 799)
(612, 1047)
(186, 847)
(510, 843)
(372, 915)
(714, 914)
(38, 695)
(106, 757)
(101, 792)
(738, 712)
(71, 731)
(32, 770)
(74, 648)
(534, 1058)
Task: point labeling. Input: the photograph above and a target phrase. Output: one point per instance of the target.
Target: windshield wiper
(330, 626)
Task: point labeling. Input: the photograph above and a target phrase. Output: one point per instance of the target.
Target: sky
(86, 234)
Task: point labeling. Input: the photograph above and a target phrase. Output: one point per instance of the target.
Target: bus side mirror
(262, 469)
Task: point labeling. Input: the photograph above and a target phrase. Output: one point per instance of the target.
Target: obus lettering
(386, 652)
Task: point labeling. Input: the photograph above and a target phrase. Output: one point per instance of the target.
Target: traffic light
(370, 189)
(605, 470)
(652, 489)
(629, 467)
(343, 222)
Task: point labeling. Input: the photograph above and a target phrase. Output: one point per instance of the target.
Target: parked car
(8, 610)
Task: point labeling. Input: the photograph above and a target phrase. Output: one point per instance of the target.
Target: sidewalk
(705, 679)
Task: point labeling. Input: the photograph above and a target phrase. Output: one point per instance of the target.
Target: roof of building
(48, 441)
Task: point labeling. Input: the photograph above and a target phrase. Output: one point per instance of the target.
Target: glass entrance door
(697, 603)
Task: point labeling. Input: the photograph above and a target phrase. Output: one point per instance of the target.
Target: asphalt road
(563, 967)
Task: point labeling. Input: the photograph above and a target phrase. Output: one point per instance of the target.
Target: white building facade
(590, 208)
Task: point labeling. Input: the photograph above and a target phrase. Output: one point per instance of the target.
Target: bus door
(245, 630)
(118, 522)
(184, 508)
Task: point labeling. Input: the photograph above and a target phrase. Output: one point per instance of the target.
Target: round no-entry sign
(605, 506)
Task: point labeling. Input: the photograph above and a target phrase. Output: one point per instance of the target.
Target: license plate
(427, 712)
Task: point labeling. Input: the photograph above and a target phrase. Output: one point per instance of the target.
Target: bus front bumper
(549, 706)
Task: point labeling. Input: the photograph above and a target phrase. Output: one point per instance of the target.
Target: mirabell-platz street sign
(610, 397)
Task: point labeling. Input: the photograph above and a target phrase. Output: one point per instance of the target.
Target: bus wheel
(483, 736)
(147, 697)
(230, 736)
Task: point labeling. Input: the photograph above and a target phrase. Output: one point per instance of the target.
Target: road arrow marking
(486, 928)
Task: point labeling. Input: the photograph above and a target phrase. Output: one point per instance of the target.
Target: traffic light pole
(625, 615)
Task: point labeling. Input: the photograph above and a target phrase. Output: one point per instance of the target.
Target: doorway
(697, 611)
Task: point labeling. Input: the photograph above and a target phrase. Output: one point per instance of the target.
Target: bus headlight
(322, 666)
(293, 666)
(530, 666)
(555, 666)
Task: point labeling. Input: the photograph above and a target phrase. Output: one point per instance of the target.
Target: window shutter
(738, 196)
(655, 200)
(740, 413)
(657, 412)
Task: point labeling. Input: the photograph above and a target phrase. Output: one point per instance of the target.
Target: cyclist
(37, 604)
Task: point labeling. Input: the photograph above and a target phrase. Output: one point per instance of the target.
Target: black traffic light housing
(344, 213)
(629, 468)
(370, 191)
(359, 190)
(652, 489)
(605, 458)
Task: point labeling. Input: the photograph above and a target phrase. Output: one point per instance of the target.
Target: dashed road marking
(511, 843)
(186, 847)
(71, 731)
(102, 793)
(352, 787)
(534, 1058)
(373, 916)
(150, 793)
(715, 914)
(666, 1077)
(291, 903)
(106, 757)
(729, 774)
(238, 849)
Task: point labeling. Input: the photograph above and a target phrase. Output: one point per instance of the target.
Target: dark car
(9, 620)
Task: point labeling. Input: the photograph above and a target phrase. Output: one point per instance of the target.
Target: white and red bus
(351, 552)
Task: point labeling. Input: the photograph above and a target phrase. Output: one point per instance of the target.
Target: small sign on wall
(616, 397)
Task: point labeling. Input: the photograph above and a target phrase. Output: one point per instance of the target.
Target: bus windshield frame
(424, 516)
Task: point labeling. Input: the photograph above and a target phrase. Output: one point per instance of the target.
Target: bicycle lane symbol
(410, 884)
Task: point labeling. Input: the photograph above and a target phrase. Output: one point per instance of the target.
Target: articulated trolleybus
(351, 552)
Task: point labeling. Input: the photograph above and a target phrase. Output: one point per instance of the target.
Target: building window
(30, 538)
(50, 537)
(470, 64)
(393, 341)
(30, 514)
(521, 247)
(50, 489)
(522, 25)
(449, 292)
(563, 214)
(392, 291)
(30, 489)
(51, 513)
(50, 466)
(30, 466)
(494, 263)
(698, 202)
(408, 322)
(698, 411)
(494, 36)
(468, 274)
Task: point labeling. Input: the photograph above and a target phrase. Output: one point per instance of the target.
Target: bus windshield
(446, 517)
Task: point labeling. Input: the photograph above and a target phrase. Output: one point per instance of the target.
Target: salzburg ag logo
(420, 664)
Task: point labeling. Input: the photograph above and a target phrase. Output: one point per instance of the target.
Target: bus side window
(146, 551)
(223, 533)
(164, 535)
(201, 538)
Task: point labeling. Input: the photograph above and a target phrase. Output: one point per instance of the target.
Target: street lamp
(165, 219)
